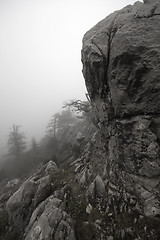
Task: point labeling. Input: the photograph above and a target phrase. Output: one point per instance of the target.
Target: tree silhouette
(53, 125)
(16, 141)
(83, 109)
(65, 119)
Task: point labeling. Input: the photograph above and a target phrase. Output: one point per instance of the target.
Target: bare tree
(80, 107)
(16, 141)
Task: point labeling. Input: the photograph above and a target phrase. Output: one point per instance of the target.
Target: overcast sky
(40, 58)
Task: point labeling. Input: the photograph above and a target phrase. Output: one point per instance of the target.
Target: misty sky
(40, 58)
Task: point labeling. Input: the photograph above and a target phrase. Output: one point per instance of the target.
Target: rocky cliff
(112, 190)
(121, 67)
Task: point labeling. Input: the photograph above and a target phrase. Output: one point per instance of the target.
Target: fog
(40, 59)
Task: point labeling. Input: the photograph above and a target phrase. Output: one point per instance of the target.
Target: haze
(40, 58)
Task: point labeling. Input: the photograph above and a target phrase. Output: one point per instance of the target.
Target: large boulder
(37, 209)
(121, 67)
(32, 192)
(50, 221)
(121, 60)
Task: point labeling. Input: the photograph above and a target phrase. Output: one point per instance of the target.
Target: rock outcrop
(50, 221)
(36, 208)
(121, 67)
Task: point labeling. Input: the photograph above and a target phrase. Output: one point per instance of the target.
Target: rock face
(33, 191)
(36, 210)
(121, 67)
(49, 221)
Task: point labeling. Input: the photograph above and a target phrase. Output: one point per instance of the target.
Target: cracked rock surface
(121, 67)
(49, 221)
(38, 210)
